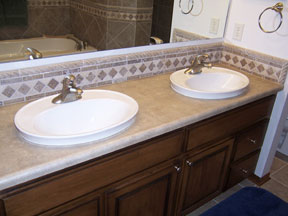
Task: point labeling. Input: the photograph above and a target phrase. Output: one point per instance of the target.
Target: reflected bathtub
(11, 50)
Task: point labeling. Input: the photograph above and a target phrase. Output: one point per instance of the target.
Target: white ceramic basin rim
(99, 114)
(212, 83)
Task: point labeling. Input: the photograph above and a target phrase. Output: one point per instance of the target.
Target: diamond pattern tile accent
(270, 71)
(235, 59)
(102, 75)
(183, 61)
(53, 83)
(8, 91)
(151, 66)
(39, 86)
(91, 76)
(176, 62)
(79, 79)
(133, 69)
(251, 65)
(24, 89)
(227, 57)
(160, 65)
(217, 55)
(168, 63)
(123, 71)
(142, 68)
(260, 68)
(113, 72)
(243, 62)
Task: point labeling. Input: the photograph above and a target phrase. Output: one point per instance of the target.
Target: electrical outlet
(214, 26)
(238, 31)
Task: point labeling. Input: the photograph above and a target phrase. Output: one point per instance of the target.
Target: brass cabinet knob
(178, 169)
(252, 140)
(244, 171)
(189, 163)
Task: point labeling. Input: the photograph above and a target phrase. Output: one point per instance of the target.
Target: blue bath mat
(250, 201)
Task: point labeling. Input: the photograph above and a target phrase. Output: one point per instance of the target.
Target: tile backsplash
(33, 83)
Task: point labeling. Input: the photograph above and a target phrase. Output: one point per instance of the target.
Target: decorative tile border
(183, 36)
(47, 3)
(115, 12)
(255, 63)
(33, 83)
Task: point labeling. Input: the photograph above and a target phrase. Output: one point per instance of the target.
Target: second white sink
(99, 114)
(212, 83)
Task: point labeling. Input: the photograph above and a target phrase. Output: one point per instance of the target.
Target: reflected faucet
(69, 91)
(33, 53)
(80, 45)
(197, 64)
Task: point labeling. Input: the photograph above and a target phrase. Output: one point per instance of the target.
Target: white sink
(99, 114)
(212, 83)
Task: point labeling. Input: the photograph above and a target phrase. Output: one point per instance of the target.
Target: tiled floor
(278, 185)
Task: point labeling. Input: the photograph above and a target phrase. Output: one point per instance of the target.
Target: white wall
(247, 12)
(198, 21)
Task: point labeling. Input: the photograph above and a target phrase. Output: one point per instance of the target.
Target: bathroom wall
(110, 24)
(50, 17)
(247, 12)
(200, 20)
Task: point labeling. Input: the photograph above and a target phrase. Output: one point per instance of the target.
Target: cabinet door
(88, 205)
(204, 175)
(149, 195)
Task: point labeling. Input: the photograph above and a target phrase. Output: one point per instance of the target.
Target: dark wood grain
(228, 123)
(204, 177)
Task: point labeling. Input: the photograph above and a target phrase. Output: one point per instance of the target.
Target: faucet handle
(69, 81)
(202, 58)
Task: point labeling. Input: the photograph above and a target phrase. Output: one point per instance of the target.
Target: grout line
(284, 185)
(278, 170)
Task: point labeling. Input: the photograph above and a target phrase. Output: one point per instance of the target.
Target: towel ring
(191, 8)
(277, 8)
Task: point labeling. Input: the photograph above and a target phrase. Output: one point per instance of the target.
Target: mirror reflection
(31, 29)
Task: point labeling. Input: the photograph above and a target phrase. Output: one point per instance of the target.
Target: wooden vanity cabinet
(150, 194)
(168, 175)
(73, 188)
(204, 175)
(246, 151)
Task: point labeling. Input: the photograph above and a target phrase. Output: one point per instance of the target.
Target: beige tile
(203, 208)
(277, 164)
(227, 193)
(247, 183)
(277, 189)
(281, 176)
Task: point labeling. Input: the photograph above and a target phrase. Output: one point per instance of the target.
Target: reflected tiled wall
(113, 24)
(104, 24)
(50, 17)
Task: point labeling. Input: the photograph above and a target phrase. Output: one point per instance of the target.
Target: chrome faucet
(33, 53)
(197, 64)
(69, 91)
(80, 45)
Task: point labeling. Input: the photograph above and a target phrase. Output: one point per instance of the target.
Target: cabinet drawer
(42, 195)
(228, 123)
(243, 169)
(250, 140)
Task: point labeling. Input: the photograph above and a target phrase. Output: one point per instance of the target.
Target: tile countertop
(160, 110)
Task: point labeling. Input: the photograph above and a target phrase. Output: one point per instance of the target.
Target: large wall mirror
(32, 29)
